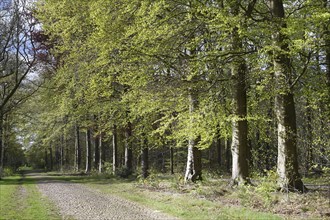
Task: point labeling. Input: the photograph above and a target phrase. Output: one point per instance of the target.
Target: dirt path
(76, 201)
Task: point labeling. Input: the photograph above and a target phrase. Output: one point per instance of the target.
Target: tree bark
(114, 149)
(287, 163)
(194, 157)
(88, 152)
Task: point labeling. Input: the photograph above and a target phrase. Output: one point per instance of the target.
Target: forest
(236, 90)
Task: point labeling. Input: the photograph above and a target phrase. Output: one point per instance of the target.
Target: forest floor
(73, 196)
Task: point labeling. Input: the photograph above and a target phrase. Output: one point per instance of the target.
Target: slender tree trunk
(128, 148)
(100, 139)
(172, 160)
(77, 149)
(62, 147)
(145, 161)
(2, 145)
(46, 160)
(51, 161)
(239, 147)
(97, 152)
(194, 158)
(114, 149)
(327, 49)
(309, 158)
(287, 163)
(219, 152)
(228, 155)
(88, 151)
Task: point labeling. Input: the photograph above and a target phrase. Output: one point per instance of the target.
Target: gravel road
(76, 201)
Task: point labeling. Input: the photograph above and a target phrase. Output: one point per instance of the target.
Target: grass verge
(20, 199)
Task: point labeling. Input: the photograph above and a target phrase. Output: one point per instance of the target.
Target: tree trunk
(62, 153)
(228, 155)
(309, 130)
(219, 152)
(194, 158)
(172, 160)
(145, 161)
(327, 49)
(77, 149)
(51, 161)
(239, 147)
(287, 163)
(2, 145)
(100, 153)
(88, 152)
(96, 151)
(128, 148)
(114, 149)
(46, 159)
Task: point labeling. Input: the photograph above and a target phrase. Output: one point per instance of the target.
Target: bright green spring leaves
(138, 61)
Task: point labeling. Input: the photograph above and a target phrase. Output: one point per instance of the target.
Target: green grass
(20, 199)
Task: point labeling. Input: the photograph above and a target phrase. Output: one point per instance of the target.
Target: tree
(287, 163)
(17, 60)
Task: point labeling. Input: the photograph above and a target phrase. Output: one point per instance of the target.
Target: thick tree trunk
(128, 148)
(77, 149)
(287, 163)
(88, 152)
(239, 147)
(194, 158)
(114, 149)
